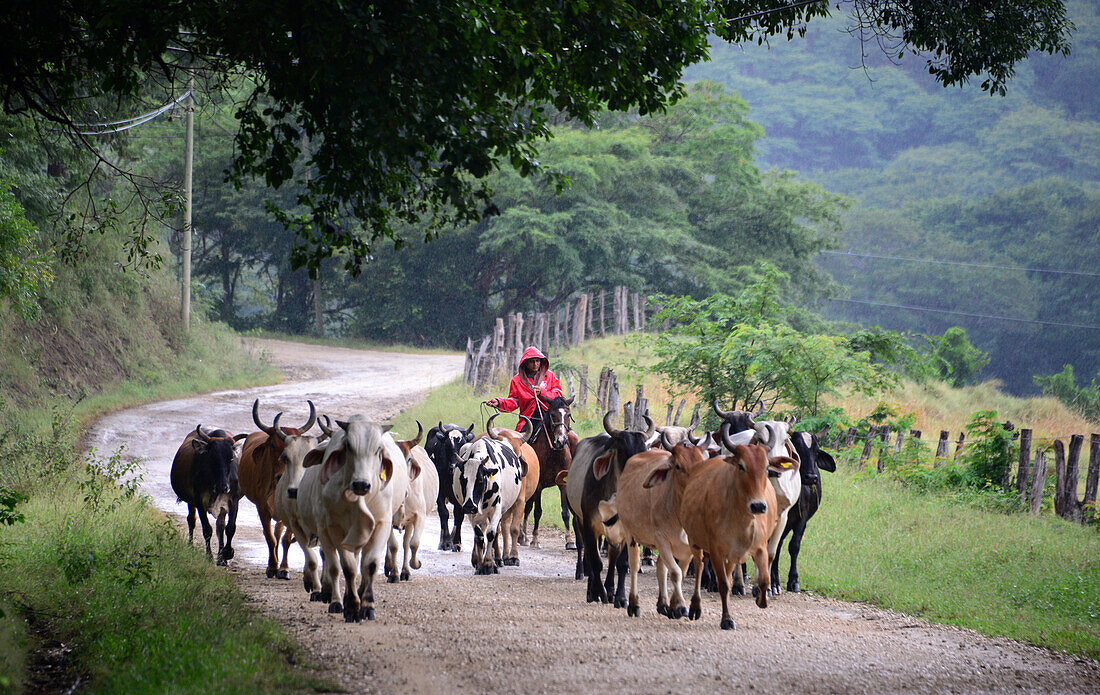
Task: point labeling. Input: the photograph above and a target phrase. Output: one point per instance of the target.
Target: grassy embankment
(93, 566)
(949, 560)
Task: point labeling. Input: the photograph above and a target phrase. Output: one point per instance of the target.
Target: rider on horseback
(533, 380)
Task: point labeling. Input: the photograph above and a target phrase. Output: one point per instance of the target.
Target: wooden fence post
(1059, 478)
(582, 393)
(668, 415)
(941, 449)
(883, 436)
(1071, 504)
(1093, 478)
(641, 406)
(959, 444)
(1038, 481)
(850, 439)
(603, 322)
(1025, 457)
(580, 319)
(679, 409)
(897, 444)
(867, 444)
(613, 393)
(589, 310)
(628, 416)
(499, 338)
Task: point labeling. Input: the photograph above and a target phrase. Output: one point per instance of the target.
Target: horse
(554, 445)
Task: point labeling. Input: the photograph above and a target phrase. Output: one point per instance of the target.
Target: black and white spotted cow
(488, 480)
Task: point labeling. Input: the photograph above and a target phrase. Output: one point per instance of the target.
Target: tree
(410, 106)
(959, 362)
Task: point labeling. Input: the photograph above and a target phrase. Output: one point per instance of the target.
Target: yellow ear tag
(382, 474)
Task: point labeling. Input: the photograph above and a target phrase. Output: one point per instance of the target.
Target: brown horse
(554, 444)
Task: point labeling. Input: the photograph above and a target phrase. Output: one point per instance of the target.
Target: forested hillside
(948, 175)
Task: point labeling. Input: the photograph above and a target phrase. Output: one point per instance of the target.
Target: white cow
(488, 480)
(412, 516)
(788, 484)
(286, 506)
(361, 481)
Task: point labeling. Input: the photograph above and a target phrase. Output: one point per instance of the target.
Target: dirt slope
(528, 629)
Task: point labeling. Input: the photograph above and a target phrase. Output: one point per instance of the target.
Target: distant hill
(950, 175)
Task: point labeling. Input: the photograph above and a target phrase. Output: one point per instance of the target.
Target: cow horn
(719, 412)
(528, 430)
(277, 430)
(343, 424)
(607, 425)
(692, 438)
(664, 441)
(256, 416)
(569, 401)
(419, 433)
(327, 426)
(312, 418)
(202, 435)
(724, 432)
(767, 436)
(469, 430)
(694, 421)
(651, 426)
(489, 426)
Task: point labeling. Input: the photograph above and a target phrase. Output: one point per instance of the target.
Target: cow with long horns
(261, 466)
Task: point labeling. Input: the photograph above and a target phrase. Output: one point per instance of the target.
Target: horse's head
(557, 422)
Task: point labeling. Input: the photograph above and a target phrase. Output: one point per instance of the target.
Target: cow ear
(386, 428)
(659, 475)
(826, 462)
(602, 465)
(198, 445)
(386, 472)
(561, 478)
(314, 457)
(414, 469)
(781, 464)
(333, 462)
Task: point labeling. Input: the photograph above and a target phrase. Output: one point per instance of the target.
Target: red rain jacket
(520, 394)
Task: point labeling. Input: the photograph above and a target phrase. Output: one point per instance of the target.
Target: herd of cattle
(360, 495)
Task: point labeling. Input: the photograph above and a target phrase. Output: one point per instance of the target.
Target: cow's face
(221, 455)
(476, 475)
(356, 457)
(292, 459)
(812, 459)
(750, 465)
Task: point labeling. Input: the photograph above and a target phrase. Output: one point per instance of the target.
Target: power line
(960, 263)
(970, 314)
(125, 124)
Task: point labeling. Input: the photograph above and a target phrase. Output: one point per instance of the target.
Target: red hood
(534, 353)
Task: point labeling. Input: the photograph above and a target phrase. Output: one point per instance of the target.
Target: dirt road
(528, 629)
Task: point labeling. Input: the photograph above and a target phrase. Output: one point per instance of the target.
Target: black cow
(813, 461)
(442, 445)
(204, 475)
(592, 478)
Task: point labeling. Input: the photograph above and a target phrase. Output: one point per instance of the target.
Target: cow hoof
(570, 545)
(695, 612)
(728, 624)
(283, 574)
(445, 544)
(619, 602)
(511, 561)
(662, 609)
(353, 616)
(366, 614)
(270, 572)
(223, 561)
(536, 544)
(315, 596)
(335, 607)
(762, 600)
(793, 587)
(522, 540)
(647, 561)
(755, 591)
(392, 578)
(483, 569)
(456, 548)
(493, 569)
(677, 613)
(405, 576)
(226, 553)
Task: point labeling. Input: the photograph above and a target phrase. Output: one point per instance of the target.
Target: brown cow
(728, 510)
(260, 468)
(512, 520)
(646, 511)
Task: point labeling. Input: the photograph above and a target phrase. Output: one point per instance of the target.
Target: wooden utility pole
(185, 245)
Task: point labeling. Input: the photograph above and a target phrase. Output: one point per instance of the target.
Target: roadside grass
(1035, 579)
(142, 612)
(952, 558)
(102, 571)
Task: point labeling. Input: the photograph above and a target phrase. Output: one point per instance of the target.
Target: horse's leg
(538, 518)
(569, 545)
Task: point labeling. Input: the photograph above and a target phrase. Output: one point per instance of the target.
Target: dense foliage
(988, 196)
(408, 107)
